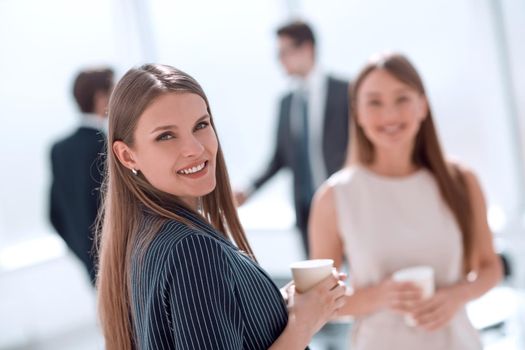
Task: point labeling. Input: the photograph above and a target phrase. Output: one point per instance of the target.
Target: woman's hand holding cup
(316, 295)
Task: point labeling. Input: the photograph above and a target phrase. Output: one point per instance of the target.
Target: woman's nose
(192, 147)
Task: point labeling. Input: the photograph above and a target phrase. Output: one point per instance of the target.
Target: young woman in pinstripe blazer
(176, 270)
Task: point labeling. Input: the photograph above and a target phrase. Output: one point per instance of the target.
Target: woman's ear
(125, 155)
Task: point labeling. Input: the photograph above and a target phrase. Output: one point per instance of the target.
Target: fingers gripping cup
(308, 273)
(423, 277)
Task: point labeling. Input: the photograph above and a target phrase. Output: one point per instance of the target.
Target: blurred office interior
(469, 52)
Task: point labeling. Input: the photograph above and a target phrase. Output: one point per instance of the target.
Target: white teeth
(392, 128)
(192, 170)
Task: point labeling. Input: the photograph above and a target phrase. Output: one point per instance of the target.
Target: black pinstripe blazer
(193, 289)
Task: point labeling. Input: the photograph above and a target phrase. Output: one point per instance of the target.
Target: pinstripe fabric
(193, 289)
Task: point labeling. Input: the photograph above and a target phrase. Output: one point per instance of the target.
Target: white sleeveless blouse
(391, 223)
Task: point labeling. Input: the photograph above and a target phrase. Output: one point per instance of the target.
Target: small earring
(134, 171)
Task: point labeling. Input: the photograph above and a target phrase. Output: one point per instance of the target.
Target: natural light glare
(253, 215)
(31, 252)
(497, 218)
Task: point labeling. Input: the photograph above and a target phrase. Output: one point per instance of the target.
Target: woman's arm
(324, 239)
(486, 272)
(487, 269)
(203, 307)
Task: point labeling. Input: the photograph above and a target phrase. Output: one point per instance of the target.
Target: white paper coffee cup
(308, 273)
(423, 277)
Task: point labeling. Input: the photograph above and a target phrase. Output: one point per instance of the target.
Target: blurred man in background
(77, 163)
(312, 131)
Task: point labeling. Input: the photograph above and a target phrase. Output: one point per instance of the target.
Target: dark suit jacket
(77, 174)
(335, 138)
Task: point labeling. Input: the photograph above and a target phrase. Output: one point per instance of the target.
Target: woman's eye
(374, 103)
(202, 125)
(402, 99)
(165, 136)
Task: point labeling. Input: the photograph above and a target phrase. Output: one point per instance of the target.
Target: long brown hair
(427, 151)
(121, 219)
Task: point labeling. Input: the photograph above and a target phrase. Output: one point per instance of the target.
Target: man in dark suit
(77, 163)
(313, 123)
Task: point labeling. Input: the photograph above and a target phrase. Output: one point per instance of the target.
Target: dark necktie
(305, 172)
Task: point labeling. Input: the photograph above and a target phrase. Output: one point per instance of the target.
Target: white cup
(308, 273)
(423, 277)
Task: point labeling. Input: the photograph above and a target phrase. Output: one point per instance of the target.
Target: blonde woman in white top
(398, 203)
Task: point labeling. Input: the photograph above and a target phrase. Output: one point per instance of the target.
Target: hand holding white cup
(307, 273)
(423, 277)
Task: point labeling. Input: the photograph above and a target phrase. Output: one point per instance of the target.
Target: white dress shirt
(94, 121)
(315, 88)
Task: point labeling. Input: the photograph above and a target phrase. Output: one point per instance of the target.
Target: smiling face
(175, 147)
(389, 111)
